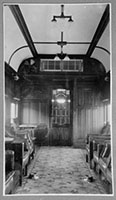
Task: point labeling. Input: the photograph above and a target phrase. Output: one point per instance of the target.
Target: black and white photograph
(57, 94)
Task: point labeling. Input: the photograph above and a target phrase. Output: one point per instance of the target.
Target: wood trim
(100, 29)
(23, 27)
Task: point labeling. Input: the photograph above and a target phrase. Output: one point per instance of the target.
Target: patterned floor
(60, 170)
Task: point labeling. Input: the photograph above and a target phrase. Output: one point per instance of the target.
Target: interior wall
(9, 95)
(91, 105)
(35, 104)
(12, 97)
(7, 110)
(90, 111)
(35, 112)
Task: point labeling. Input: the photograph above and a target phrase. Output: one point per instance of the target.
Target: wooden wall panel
(109, 113)
(11, 92)
(34, 108)
(44, 110)
(25, 113)
(60, 136)
(88, 121)
(90, 112)
(94, 120)
(35, 112)
(100, 117)
(7, 111)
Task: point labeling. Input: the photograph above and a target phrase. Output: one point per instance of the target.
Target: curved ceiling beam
(22, 47)
(23, 27)
(99, 31)
(104, 49)
(26, 46)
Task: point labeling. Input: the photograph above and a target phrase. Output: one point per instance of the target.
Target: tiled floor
(60, 170)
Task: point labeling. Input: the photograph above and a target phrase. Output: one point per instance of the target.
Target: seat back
(9, 161)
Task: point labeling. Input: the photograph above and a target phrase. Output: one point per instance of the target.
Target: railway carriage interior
(57, 69)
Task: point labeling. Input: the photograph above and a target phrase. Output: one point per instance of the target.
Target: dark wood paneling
(89, 111)
(35, 112)
(60, 136)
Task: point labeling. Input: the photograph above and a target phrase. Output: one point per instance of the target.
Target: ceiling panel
(19, 56)
(102, 55)
(13, 37)
(105, 38)
(86, 19)
(38, 19)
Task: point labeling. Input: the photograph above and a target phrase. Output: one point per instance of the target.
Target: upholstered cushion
(9, 161)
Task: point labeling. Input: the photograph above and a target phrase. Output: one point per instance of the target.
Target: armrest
(92, 135)
(99, 138)
(100, 148)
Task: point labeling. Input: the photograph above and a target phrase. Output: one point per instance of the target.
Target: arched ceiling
(38, 20)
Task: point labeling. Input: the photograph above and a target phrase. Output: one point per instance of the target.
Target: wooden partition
(12, 95)
(35, 112)
(7, 110)
(90, 112)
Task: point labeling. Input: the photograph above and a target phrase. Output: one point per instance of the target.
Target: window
(14, 111)
(107, 112)
(62, 65)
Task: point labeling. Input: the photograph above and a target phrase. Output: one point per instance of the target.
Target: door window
(60, 107)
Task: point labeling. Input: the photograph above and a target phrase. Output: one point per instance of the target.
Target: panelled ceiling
(38, 20)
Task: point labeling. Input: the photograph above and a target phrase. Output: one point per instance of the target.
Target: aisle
(60, 170)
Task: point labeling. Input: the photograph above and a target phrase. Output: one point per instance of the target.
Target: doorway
(60, 132)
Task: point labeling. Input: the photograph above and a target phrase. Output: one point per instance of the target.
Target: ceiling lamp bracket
(61, 43)
(62, 16)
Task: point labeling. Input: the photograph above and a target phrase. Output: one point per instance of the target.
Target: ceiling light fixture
(62, 16)
(61, 56)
